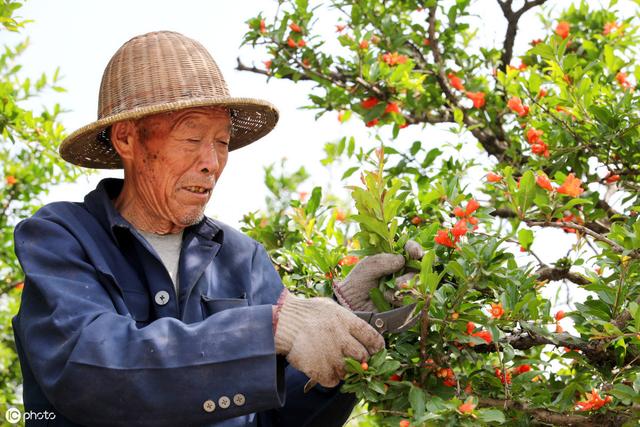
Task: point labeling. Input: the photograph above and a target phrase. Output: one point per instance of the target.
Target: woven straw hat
(155, 73)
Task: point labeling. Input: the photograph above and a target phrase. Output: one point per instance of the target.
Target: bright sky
(80, 37)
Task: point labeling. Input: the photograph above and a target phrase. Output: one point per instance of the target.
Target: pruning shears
(393, 322)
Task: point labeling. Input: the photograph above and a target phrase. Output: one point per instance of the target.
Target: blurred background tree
(31, 166)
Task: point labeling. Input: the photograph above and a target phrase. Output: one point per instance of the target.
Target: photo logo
(13, 415)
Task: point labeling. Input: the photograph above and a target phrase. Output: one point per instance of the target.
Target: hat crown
(158, 68)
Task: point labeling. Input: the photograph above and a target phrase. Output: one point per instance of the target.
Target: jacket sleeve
(97, 368)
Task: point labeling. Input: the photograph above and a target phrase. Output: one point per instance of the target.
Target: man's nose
(208, 159)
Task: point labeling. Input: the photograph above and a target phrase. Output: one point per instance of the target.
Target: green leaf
(378, 300)
(314, 201)
(417, 400)
(458, 116)
(349, 172)
(525, 238)
(525, 194)
(490, 416)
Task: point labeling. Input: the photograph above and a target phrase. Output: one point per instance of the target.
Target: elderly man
(139, 310)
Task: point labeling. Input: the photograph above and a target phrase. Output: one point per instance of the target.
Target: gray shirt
(168, 248)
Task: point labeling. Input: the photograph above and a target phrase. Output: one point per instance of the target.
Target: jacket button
(224, 402)
(162, 297)
(239, 399)
(209, 406)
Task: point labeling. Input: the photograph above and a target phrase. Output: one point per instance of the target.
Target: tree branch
(512, 27)
(595, 351)
(553, 273)
(609, 418)
(489, 141)
(568, 224)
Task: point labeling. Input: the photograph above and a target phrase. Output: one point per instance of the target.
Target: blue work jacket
(104, 340)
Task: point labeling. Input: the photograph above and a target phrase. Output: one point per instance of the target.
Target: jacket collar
(99, 203)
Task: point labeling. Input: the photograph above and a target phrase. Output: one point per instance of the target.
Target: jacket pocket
(139, 307)
(212, 306)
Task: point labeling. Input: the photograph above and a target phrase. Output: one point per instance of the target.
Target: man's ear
(123, 135)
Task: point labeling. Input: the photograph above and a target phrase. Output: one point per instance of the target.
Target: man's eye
(222, 141)
(193, 140)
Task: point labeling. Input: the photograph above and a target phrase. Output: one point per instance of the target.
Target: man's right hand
(316, 334)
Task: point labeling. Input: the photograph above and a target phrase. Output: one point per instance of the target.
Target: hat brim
(251, 119)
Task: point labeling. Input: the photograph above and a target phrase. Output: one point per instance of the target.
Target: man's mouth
(198, 190)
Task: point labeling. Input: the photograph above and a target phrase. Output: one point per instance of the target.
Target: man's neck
(142, 217)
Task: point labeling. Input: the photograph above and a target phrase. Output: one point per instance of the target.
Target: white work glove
(353, 291)
(316, 334)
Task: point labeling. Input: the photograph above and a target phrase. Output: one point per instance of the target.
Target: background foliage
(31, 166)
(558, 132)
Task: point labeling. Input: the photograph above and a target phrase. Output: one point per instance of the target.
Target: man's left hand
(353, 291)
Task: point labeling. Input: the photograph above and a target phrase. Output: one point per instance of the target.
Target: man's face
(177, 160)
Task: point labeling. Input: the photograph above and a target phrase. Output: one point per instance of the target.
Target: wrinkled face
(176, 162)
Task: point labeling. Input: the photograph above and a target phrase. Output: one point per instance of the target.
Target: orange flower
(571, 186)
(559, 315)
(543, 181)
(515, 105)
(472, 206)
(295, 27)
(470, 327)
(449, 382)
(610, 179)
(263, 26)
(442, 238)
(467, 407)
(455, 81)
(535, 42)
(457, 211)
(11, 180)
(468, 389)
(426, 42)
(496, 310)
(459, 230)
(340, 28)
(340, 215)
(523, 368)
(364, 44)
(341, 116)
(19, 286)
(610, 27)
(291, 42)
(505, 378)
(621, 77)
(394, 58)
(559, 328)
(533, 135)
(404, 423)
(369, 103)
(562, 29)
(392, 107)
(349, 260)
(593, 402)
(301, 43)
(372, 123)
(493, 177)
(542, 93)
(267, 64)
(477, 98)
(302, 195)
(416, 220)
(540, 149)
(395, 377)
